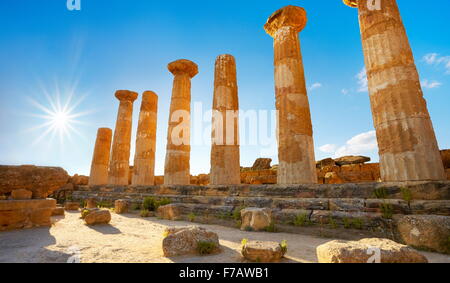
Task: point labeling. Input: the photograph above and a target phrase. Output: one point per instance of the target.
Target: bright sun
(59, 119)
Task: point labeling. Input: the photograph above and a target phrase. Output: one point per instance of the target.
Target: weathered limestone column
(119, 164)
(225, 160)
(295, 142)
(144, 159)
(100, 159)
(177, 165)
(407, 143)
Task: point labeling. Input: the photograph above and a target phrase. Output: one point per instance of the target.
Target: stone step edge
(418, 191)
(346, 205)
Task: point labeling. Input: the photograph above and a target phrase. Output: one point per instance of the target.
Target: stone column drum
(119, 164)
(177, 165)
(144, 160)
(100, 159)
(225, 160)
(407, 143)
(295, 142)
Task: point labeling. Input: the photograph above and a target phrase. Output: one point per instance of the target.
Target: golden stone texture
(225, 160)
(120, 155)
(100, 159)
(407, 143)
(144, 160)
(177, 167)
(295, 141)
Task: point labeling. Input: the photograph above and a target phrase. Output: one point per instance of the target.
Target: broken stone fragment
(429, 232)
(349, 160)
(264, 252)
(256, 219)
(98, 217)
(184, 240)
(368, 251)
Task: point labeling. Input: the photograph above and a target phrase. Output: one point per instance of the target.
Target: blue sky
(119, 44)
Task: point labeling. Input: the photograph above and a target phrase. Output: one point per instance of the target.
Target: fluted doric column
(177, 165)
(407, 143)
(100, 159)
(119, 165)
(144, 159)
(225, 161)
(295, 142)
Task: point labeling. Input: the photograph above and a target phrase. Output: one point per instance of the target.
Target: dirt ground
(131, 239)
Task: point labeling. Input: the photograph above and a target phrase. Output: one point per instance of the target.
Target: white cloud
(436, 59)
(430, 84)
(345, 91)
(359, 145)
(362, 81)
(328, 148)
(362, 144)
(315, 86)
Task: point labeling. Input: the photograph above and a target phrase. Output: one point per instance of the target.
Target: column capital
(126, 95)
(183, 66)
(351, 3)
(289, 16)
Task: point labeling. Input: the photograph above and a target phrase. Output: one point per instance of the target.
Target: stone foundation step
(439, 207)
(415, 191)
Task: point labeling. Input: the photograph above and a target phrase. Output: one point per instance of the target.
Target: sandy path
(130, 238)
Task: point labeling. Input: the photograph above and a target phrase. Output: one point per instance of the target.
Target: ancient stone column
(407, 143)
(144, 159)
(177, 165)
(225, 161)
(120, 154)
(295, 142)
(100, 159)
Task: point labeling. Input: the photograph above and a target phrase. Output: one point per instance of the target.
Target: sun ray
(58, 115)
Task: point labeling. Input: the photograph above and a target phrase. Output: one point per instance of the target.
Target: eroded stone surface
(430, 232)
(295, 142)
(97, 217)
(184, 240)
(177, 164)
(72, 206)
(100, 159)
(169, 212)
(256, 219)
(144, 160)
(120, 206)
(21, 194)
(225, 158)
(406, 139)
(365, 251)
(264, 252)
(42, 181)
(120, 154)
(19, 214)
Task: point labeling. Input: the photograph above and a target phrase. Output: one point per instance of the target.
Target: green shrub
(84, 213)
(82, 203)
(237, 213)
(145, 213)
(238, 224)
(191, 217)
(358, 223)
(271, 228)
(407, 195)
(347, 223)
(244, 242)
(381, 193)
(387, 210)
(332, 223)
(152, 204)
(248, 229)
(284, 247)
(206, 247)
(302, 220)
(136, 206)
(104, 204)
